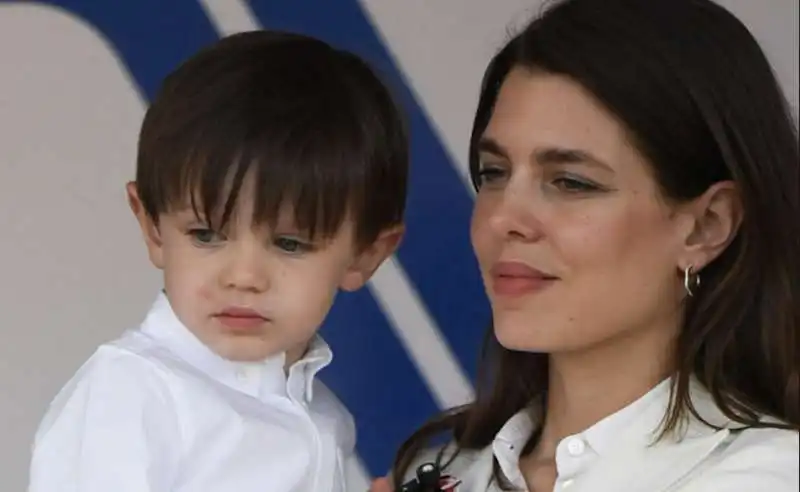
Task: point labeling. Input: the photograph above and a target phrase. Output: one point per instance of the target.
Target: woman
(636, 225)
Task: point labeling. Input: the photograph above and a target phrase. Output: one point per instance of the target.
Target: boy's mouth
(240, 319)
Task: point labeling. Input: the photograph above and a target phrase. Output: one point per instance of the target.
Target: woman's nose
(514, 216)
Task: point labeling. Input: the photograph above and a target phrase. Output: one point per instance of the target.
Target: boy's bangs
(308, 170)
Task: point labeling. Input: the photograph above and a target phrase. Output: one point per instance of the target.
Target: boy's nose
(246, 269)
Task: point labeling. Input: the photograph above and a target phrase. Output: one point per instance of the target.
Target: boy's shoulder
(125, 366)
(132, 357)
(115, 379)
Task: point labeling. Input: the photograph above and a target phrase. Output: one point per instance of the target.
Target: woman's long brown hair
(698, 94)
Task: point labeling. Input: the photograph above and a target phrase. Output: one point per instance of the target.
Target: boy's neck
(294, 354)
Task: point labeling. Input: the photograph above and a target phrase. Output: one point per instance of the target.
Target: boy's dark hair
(312, 126)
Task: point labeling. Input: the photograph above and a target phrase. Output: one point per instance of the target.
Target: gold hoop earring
(691, 280)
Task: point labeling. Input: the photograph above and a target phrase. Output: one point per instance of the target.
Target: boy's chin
(245, 351)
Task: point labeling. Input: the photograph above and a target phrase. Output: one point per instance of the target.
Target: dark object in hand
(428, 475)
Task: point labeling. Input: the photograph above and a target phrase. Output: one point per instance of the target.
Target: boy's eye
(291, 245)
(205, 236)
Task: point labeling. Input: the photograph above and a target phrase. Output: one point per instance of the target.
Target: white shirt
(615, 454)
(575, 454)
(157, 411)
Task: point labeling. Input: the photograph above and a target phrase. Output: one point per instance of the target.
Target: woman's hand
(381, 485)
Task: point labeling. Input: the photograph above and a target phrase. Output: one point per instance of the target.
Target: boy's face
(249, 293)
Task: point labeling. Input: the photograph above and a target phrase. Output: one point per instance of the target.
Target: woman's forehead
(537, 110)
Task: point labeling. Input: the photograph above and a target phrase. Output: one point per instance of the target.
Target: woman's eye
(490, 174)
(572, 185)
(205, 236)
(292, 245)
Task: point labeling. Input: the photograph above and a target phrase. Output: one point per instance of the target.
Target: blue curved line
(436, 252)
(375, 378)
(151, 37)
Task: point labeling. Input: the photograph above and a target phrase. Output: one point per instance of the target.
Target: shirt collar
(510, 440)
(643, 417)
(637, 422)
(262, 378)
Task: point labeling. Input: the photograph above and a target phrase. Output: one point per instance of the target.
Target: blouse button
(576, 447)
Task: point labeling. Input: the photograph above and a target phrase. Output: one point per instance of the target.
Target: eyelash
(196, 232)
(301, 246)
(567, 184)
(287, 244)
(488, 174)
(573, 185)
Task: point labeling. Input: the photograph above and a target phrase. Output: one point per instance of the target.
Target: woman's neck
(584, 388)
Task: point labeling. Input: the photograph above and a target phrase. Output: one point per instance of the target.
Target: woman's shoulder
(764, 445)
(786, 439)
(755, 459)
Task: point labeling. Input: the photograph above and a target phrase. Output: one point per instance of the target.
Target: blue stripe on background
(150, 36)
(374, 377)
(436, 251)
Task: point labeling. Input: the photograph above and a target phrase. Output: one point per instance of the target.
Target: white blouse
(616, 454)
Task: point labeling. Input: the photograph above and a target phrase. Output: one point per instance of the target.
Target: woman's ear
(147, 225)
(716, 216)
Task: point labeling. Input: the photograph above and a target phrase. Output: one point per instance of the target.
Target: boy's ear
(150, 232)
(369, 259)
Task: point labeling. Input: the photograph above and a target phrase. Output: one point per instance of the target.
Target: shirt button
(576, 447)
(567, 484)
(241, 375)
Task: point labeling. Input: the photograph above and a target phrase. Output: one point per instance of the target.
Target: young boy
(271, 173)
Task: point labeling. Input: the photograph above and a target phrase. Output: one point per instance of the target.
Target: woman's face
(575, 244)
